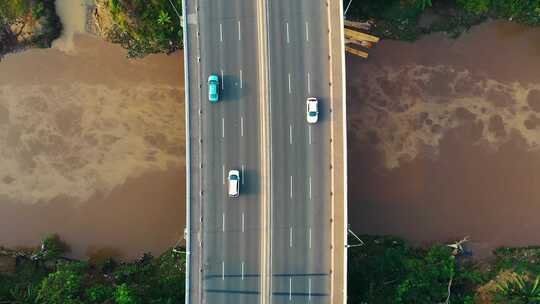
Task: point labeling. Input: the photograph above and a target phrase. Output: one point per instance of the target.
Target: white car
(312, 110)
(234, 183)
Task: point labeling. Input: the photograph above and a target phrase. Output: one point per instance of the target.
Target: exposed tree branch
(449, 288)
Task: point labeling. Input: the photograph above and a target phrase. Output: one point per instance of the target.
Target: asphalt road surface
(227, 250)
(230, 132)
(301, 206)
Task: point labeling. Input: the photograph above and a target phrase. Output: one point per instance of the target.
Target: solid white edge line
(189, 256)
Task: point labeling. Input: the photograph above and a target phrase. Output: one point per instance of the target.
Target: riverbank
(27, 24)
(141, 28)
(382, 270)
(391, 270)
(44, 275)
(411, 19)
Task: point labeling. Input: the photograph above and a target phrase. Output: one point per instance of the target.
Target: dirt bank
(92, 148)
(444, 137)
(27, 24)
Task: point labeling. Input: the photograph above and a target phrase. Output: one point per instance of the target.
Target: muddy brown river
(444, 141)
(444, 138)
(92, 148)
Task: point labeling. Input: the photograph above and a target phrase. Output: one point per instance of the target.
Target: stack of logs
(357, 42)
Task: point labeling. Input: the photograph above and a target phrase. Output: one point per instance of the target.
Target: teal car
(213, 88)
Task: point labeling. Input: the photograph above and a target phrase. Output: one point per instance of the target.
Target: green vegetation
(408, 19)
(390, 270)
(519, 290)
(146, 26)
(65, 285)
(141, 26)
(527, 12)
(53, 247)
(27, 23)
(383, 270)
(44, 276)
(13, 9)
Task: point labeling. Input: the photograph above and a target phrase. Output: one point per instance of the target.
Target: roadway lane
(231, 229)
(301, 208)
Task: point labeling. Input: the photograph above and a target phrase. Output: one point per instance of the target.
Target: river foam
(409, 109)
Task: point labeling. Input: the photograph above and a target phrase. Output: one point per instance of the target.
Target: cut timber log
(360, 36)
(358, 25)
(364, 44)
(356, 52)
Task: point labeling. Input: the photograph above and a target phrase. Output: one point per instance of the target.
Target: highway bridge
(283, 239)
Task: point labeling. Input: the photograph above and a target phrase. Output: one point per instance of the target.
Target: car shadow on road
(231, 90)
(324, 111)
(250, 183)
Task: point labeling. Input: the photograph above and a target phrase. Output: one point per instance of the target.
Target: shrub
(146, 26)
(389, 270)
(475, 6)
(12, 9)
(99, 293)
(53, 247)
(126, 294)
(65, 285)
(520, 289)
